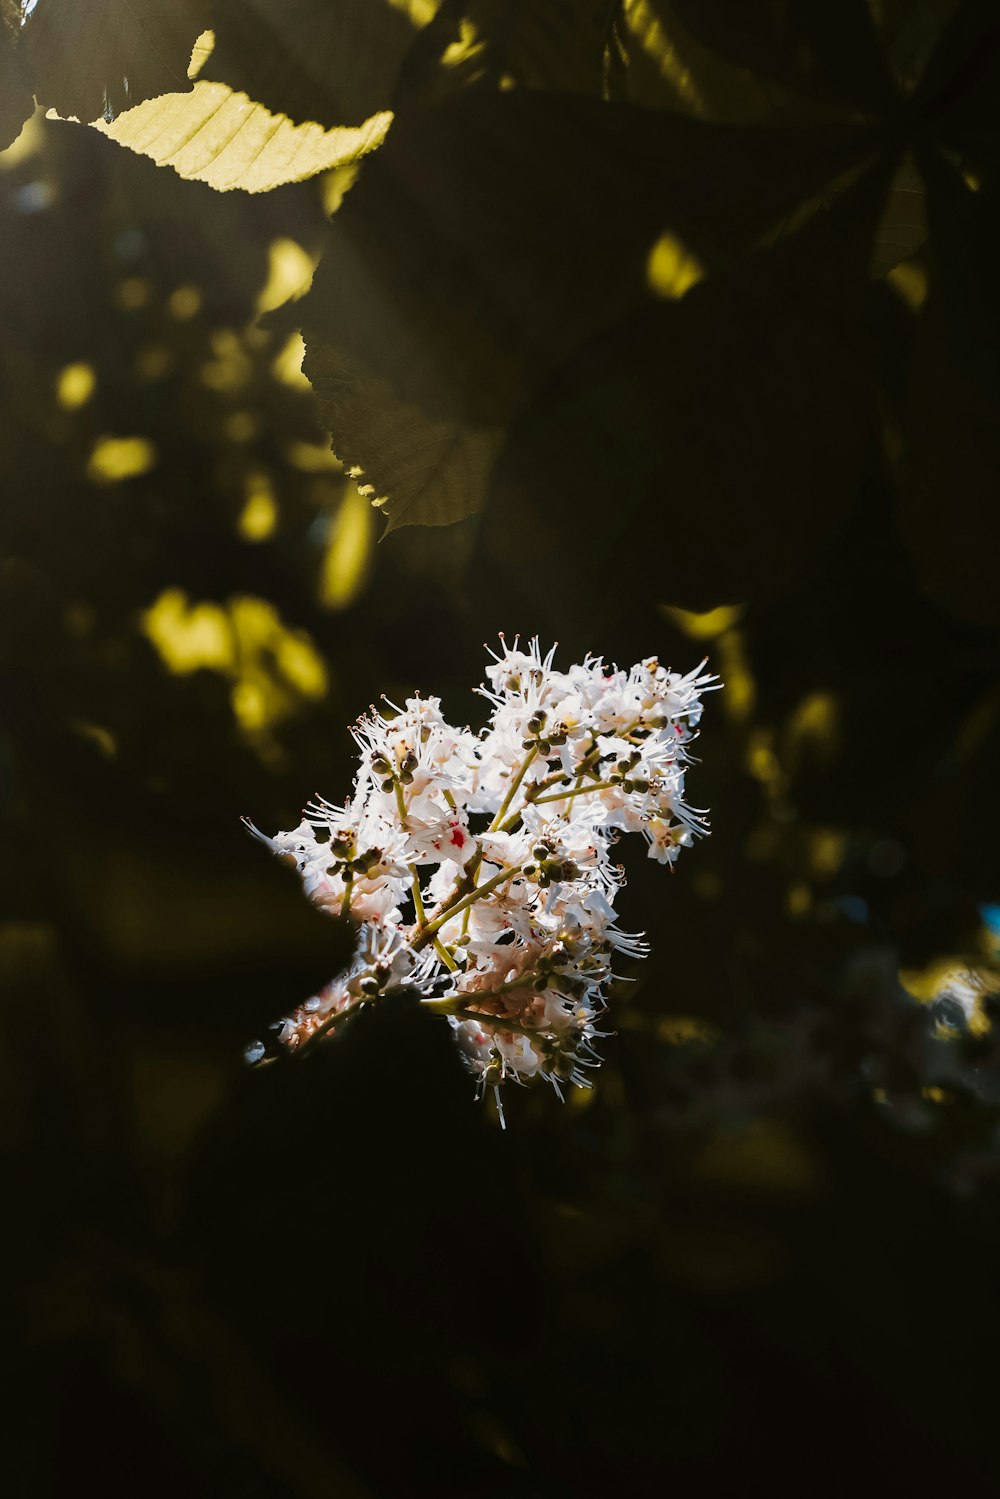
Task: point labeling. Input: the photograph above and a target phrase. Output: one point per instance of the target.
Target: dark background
(762, 1255)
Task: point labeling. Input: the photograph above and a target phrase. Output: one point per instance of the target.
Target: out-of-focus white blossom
(478, 868)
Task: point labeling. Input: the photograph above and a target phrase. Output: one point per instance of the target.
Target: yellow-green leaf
(213, 134)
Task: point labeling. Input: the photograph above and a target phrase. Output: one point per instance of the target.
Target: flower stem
(512, 788)
(426, 933)
(447, 1006)
(418, 906)
(401, 804)
(504, 1023)
(533, 795)
(328, 1025)
(445, 955)
(473, 868)
(562, 796)
(418, 899)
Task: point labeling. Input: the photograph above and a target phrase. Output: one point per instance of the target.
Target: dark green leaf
(334, 63)
(16, 102)
(667, 66)
(958, 90)
(94, 60)
(494, 236)
(431, 471)
(714, 444)
(910, 30)
(563, 44)
(947, 507)
(902, 229)
(831, 51)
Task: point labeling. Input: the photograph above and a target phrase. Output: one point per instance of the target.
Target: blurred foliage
(695, 302)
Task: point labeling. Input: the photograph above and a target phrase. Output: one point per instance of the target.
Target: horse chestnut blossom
(477, 867)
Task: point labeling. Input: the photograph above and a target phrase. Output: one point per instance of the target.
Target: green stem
(474, 867)
(445, 955)
(418, 906)
(512, 789)
(418, 899)
(563, 796)
(426, 933)
(585, 767)
(401, 804)
(345, 904)
(534, 793)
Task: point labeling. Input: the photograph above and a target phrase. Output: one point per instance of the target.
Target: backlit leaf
(212, 134)
(428, 471)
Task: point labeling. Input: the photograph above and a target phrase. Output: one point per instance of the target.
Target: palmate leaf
(669, 66)
(828, 51)
(493, 237)
(469, 302)
(719, 441)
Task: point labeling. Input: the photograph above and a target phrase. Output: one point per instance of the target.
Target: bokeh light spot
(289, 274)
(75, 384)
(347, 561)
(184, 303)
(116, 458)
(260, 513)
(671, 269)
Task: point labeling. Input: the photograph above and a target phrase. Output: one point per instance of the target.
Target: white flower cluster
(478, 867)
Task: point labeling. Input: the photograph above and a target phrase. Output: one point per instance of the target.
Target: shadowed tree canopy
(336, 338)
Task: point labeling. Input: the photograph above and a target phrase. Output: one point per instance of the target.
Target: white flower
(479, 869)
